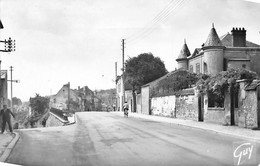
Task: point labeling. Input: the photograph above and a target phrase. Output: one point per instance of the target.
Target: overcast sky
(79, 41)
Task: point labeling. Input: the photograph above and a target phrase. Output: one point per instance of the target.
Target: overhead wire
(149, 30)
(157, 17)
(160, 18)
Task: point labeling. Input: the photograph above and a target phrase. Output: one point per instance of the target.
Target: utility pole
(9, 47)
(17, 81)
(11, 70)
(123, 72)
(116, 85)
(69, 97)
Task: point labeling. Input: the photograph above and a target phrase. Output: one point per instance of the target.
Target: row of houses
(81, 99)
(61, 112)
(217, 54)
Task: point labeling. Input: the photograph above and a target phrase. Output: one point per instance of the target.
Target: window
(215, 100)
(191, 68)
(205, 68)
(197, 68)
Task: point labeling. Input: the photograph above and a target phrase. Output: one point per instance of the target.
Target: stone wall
(145, 100)
(215, 115)
(248, 111)
(54, 120)
(183, 106)
(187, 107)
(138, 103)
(163, 106)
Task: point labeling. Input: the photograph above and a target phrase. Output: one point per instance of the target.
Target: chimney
(239, 37)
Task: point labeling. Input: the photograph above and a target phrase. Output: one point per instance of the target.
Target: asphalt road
(106, 139)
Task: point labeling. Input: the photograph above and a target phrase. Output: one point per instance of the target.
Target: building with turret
(219, 53)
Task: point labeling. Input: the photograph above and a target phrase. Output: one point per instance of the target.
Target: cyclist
(125, 107)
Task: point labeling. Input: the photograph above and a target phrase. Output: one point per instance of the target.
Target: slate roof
(253, 85)
(1, 25)
(227, 41)
(159, 79)
(185, 52)
(197, 52)
(3, 74)
(213, 39)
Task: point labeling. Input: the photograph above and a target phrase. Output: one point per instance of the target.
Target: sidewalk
(218, 128)
(7, 143)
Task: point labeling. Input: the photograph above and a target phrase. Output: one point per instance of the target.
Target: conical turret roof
(213, 39)
(185, 52)
(1, 25)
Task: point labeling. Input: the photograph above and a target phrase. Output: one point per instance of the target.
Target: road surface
(107, 139)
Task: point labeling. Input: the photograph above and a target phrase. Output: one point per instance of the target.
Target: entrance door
(232, 105)
(258, 107)
(201, 108)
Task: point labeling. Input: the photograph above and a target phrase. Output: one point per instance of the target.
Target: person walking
(5, 112)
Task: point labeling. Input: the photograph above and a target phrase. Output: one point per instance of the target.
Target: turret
(182, 58)
(213, 53)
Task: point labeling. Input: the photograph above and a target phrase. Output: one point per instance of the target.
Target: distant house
(60, 100)
(3, 88)
(88, 100)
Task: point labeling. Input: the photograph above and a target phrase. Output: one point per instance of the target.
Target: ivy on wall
(221, 81)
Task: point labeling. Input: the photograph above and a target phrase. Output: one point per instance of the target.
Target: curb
(10, 147)
(202, 128)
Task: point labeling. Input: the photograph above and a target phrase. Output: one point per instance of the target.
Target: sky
(79, 41)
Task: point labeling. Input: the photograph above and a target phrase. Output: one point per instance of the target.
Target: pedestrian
(5, 112)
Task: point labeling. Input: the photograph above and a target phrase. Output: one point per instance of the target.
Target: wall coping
(216, 109)
(60, 119)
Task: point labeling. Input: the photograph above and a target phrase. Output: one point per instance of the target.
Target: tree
(39, 104)
(17, 101)
(141, 70)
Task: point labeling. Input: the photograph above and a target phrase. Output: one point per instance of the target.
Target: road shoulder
(235, 131)
(7, 144)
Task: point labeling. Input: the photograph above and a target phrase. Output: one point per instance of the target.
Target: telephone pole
(17, 81)
(11, 70)
(116, 85)
(123, 72)
(68, 96)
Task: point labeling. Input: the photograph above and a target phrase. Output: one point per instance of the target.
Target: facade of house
(3, 91)
(83, 98)
(119, 94)
(87, 102)
(3, 88)
(60, 100)
(219, 53)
